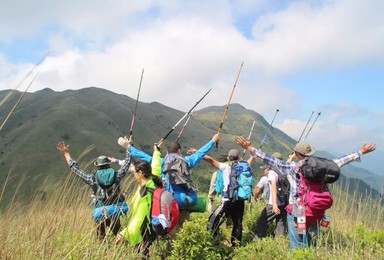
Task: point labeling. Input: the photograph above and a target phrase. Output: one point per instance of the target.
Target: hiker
(302, 151)
(139, 232)
(275, 208)
(261, 190)
(232, 202)
(216, 185)
(180, 184)
(106, 195)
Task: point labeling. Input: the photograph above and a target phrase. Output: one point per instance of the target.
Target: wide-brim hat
(304, 148)
(102, 160)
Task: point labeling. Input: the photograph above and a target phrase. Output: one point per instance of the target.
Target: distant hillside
(96, 117)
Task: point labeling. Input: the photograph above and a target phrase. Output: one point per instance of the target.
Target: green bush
(194, 241)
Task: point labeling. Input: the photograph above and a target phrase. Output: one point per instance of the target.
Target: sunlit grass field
(59, 226)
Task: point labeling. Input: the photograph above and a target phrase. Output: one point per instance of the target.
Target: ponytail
(158, 181)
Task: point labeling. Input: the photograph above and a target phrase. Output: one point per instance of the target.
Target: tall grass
(58, 225)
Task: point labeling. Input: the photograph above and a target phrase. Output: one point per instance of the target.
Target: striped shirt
(90, 178)
(291, 169)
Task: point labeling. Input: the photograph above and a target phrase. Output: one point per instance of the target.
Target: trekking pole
(18, 101)
(318, 114)
(134, 111)
(249, 136)
(182, 129)
(186, 114)
(229, 101)
(305, 126)
(269, 129)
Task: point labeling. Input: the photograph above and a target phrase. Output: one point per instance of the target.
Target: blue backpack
(241, 181)
(219, 184)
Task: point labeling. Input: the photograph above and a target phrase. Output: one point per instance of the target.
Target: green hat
(102, 160)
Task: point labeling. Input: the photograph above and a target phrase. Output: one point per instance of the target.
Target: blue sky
(299, 57)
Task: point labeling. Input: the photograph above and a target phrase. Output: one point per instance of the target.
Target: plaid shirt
(90, 177)
(291, 169)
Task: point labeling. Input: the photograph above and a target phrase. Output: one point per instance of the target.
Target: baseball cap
(233, 153)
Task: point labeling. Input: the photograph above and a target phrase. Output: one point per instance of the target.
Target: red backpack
(163, 203)
(317, 198)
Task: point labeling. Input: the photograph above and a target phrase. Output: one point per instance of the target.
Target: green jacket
(156, 163)
(140, 216)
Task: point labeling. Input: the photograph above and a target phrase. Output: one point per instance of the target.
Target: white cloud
(188, 47)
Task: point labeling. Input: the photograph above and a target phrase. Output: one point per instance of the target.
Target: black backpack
(283, 187)
(320, 170)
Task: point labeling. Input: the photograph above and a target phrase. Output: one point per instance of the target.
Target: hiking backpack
(219, 183)
(107, 201)
(316, 197)
(106, 190)
(241, 181)
(177, 171)
(164, 211)
(320, 170)
(283, 187)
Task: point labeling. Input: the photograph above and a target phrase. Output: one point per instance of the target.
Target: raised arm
(195, 157)
(364, 149)
(89, 178)
(212, 161)
(156, 160)
(64, 149)
(135, 152)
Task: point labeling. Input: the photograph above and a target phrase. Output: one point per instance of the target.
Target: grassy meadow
(59, 226)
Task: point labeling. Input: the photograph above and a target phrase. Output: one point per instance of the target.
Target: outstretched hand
(119, 239)
(216, 137)
(243, 142)
(124, 141)
(191, 150)
(367, 148)
(158, 144)
(62, 147)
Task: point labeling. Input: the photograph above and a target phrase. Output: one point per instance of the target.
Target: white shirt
(272, 176)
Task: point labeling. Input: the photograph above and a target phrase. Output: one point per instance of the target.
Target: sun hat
(102, 160)
(304, 148)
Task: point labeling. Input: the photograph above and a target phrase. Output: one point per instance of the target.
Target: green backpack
(107, 192)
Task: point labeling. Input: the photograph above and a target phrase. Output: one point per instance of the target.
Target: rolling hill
(94, 118)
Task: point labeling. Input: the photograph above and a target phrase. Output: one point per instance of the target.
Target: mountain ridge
(96, 117)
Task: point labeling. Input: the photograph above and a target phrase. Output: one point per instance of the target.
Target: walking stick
(186, 114)
(134, 111)
(249, 136)
(305, 127)
(269, 129)
(318, 114)
(227, 106)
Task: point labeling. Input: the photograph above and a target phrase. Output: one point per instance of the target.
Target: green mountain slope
(95, 117)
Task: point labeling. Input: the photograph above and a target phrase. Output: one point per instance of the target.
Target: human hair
(146, 169)
(233, 158)
(173, 147)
